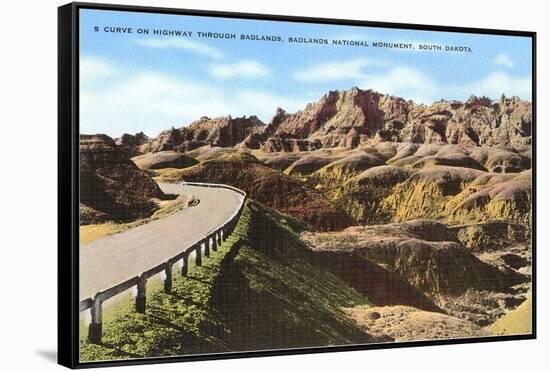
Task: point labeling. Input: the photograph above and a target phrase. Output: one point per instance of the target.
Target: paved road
(110, 260)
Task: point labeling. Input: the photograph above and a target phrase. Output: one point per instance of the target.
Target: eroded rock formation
(353, 117)
(350, 118)
(112, 187)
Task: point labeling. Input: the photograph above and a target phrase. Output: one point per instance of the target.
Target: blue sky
(131, 82)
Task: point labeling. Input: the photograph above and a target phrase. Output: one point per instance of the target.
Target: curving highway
(110, 260)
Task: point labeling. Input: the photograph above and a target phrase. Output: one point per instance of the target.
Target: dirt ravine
(113, 259)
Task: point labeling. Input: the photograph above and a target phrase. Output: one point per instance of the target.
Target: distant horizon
(133, 82)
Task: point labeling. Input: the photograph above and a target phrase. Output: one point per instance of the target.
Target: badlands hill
(112, 187)
(218, 132)
(351, 118)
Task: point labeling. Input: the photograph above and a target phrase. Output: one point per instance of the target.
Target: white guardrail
(212, 240)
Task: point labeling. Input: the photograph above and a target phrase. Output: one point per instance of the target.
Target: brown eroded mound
(111, 184)
(405, 323)
(210, 153)
(427, 255)
(279, 161)
(337, 172)
(458, 160)
(267, 186)
(363, 195)
(308, 164)
(507, 160)
(491, 235)
(163, 159)
(380, 285)
(423, 252)
(506, 197)
(497, 159)
(425, 193)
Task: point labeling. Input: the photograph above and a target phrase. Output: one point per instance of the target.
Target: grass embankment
(178, 323)
(92, 232)
(265, 292)
(275, 295)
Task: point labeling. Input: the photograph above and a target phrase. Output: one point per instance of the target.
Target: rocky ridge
(218, 132)
(351, 118)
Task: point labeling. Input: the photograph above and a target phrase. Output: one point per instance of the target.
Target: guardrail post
(206, 243)
(141, 297)
(218, 236)
(184, 265)
(168, 278)
(96, 325)
(198, 256)
(212, 243)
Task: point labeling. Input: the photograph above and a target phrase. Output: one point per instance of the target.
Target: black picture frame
(68, 183)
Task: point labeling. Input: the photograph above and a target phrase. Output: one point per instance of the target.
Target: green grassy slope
(274, 295)
(178, 323)
(261, 290)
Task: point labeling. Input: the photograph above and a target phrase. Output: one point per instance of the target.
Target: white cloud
(412, 83)
(93, 70)
(137, 104)
(245, 68)
(152, 102)
(496, 84)
(333, 71)
(183, 44)
(265, 103)
(405, 82)
(503, 60)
